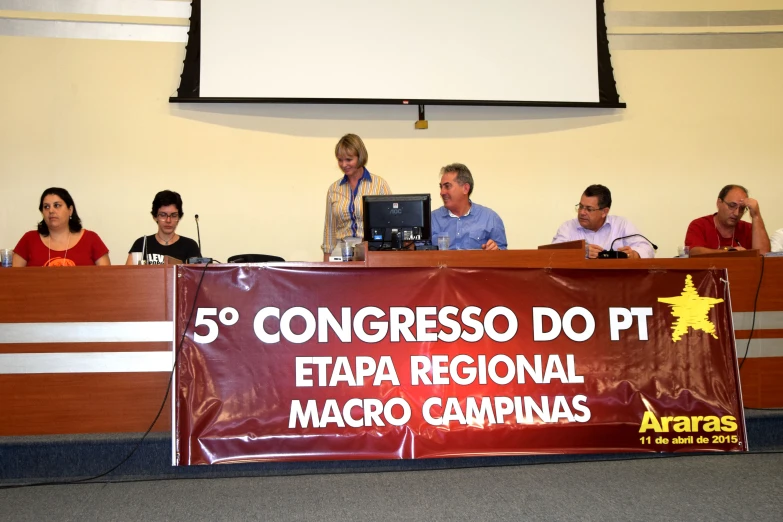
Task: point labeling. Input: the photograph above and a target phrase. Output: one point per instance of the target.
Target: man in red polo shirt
(725, 229)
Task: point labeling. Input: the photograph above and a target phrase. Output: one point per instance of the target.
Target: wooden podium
(85, 349)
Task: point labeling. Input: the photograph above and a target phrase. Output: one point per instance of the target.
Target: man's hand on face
(752, 205)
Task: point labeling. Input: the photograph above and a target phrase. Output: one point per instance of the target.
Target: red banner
(336, 363)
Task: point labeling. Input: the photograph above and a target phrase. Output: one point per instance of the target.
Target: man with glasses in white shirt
(725, 230)
(599, 230)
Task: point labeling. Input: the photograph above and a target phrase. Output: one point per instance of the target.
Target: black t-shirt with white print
(155, 253)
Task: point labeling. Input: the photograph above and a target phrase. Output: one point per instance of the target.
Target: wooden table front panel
(69, 403)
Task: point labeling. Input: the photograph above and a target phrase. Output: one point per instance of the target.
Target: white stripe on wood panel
(104, 332)
(96, 362)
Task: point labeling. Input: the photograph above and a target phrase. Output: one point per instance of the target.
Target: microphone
(198, 232)
(616, 254)
(198, 260)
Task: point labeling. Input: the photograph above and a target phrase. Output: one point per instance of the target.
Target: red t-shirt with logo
(89, 249)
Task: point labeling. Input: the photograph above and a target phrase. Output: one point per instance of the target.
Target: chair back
(255, 258)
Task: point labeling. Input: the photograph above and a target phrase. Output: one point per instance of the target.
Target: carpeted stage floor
(692, 488)
(739, 486)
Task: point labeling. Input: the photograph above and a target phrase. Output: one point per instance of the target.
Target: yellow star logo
(691, 310)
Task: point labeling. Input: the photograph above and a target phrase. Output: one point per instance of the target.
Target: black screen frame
(189, 88)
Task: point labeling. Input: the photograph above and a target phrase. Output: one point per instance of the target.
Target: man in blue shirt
(469, 225)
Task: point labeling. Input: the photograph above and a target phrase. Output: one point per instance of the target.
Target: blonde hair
(352, 144)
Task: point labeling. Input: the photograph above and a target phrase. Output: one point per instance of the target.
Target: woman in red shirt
(60, 239)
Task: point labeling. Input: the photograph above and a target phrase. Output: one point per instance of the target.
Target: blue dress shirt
(470, 231)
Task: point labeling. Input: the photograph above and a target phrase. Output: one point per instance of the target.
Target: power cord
(752, 329)
(753, 322)
(155, 420)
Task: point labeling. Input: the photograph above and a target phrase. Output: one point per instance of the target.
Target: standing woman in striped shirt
(344, 197)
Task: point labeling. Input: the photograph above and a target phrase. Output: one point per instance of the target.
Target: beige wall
(92, 115)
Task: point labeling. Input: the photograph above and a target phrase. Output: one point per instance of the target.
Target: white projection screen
(397, 51)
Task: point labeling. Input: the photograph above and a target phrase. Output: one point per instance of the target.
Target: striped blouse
(344, 208)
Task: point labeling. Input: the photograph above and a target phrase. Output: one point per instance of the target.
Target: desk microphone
(198, 234)
(616, 254)
(198, 260)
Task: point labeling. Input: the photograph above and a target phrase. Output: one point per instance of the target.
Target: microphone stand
(144, 251)
(198, 260)
(198, 235)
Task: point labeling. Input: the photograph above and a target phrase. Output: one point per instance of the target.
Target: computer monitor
(394, 221)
